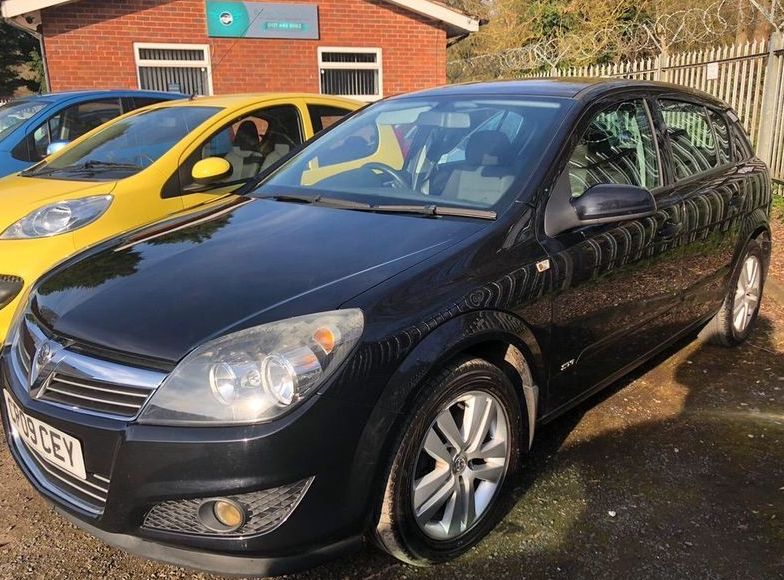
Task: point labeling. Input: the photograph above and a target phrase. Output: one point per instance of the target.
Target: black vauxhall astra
(362, 345)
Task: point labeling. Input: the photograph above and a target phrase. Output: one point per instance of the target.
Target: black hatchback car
(362, 345)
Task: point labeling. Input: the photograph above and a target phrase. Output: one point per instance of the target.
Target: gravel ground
(676, 472)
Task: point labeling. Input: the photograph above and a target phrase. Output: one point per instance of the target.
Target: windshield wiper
(437, 210)
(423, 210)
(320, 200)
(89, 166)
(96, 164)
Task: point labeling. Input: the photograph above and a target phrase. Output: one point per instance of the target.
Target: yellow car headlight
(58, 218)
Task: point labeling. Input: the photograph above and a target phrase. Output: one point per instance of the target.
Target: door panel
(713, 222)
(713, 193)
(618, 293)
(618, 286)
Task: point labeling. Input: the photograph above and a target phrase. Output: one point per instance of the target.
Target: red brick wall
(89, 44)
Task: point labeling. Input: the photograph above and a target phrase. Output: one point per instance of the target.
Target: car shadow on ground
(674, 471)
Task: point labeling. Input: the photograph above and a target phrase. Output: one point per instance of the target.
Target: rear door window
(324, 116)
(722, 134)
(743, 148)
(692, 140)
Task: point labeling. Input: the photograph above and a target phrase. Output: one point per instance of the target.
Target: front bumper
(148, 465)
(219, 563)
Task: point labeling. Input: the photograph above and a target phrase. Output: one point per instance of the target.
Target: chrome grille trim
(30, 337)
(51, 389)
(83, 494)
(83, 385)
(80, 382)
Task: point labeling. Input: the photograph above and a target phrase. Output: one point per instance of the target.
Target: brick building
(362, 48)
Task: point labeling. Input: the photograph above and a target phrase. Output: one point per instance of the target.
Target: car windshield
(450, 152)
(126, 147)
(15, 113)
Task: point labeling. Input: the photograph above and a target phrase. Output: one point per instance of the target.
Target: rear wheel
(452, 462)
(734, 321)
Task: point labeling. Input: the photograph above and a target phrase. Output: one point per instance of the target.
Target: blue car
(32, 127)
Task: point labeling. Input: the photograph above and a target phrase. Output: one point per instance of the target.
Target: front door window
(618, 147)
(250, 144)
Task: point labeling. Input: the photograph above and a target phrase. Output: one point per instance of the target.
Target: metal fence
(750, 77)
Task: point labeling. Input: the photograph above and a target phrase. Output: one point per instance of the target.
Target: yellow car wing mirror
(210, 170)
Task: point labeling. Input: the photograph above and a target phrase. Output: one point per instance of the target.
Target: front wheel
(452, 462)
(734, 321)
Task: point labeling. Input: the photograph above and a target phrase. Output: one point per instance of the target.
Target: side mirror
(611, 203)
(210, 170)
(55, 146)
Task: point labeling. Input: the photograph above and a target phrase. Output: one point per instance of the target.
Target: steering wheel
(396, 175)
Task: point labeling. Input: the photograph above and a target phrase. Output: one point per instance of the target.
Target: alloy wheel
(461, 465)
(747, 294)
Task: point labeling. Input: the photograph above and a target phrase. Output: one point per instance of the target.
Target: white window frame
(377, 66)
(205, 63)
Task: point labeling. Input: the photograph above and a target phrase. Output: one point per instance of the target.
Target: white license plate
(53, 445)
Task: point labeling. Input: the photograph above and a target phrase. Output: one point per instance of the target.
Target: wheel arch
(756, 224)
(498, 336)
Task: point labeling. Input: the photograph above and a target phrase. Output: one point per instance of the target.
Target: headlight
(58, 218)
(255, 375)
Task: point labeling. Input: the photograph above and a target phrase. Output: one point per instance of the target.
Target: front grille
(89, 495)
(109, 398)
(266, 510)
(81, 382)
(55, 372)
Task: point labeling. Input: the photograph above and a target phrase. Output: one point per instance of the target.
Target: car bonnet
(171, 288)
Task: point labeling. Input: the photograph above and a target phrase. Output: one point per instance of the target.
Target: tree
(19, 53)
(537, 36)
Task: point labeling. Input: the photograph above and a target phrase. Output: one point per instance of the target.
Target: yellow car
(143, 167)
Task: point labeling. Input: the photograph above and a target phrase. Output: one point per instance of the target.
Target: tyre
(453, 461)
(734, 321)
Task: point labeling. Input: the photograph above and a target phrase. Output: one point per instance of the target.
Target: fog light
(229, 514)
(222, 515)
(263, 511)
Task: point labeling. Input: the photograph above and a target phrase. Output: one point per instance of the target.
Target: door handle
(669, 230)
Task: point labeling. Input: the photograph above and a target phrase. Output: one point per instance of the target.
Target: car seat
(245, 157)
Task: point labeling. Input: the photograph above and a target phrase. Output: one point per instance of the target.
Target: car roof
(88, 94)
(573, 88)
(241, 100)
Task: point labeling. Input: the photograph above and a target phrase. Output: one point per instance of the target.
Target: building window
(351, 72)
(177, 68)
